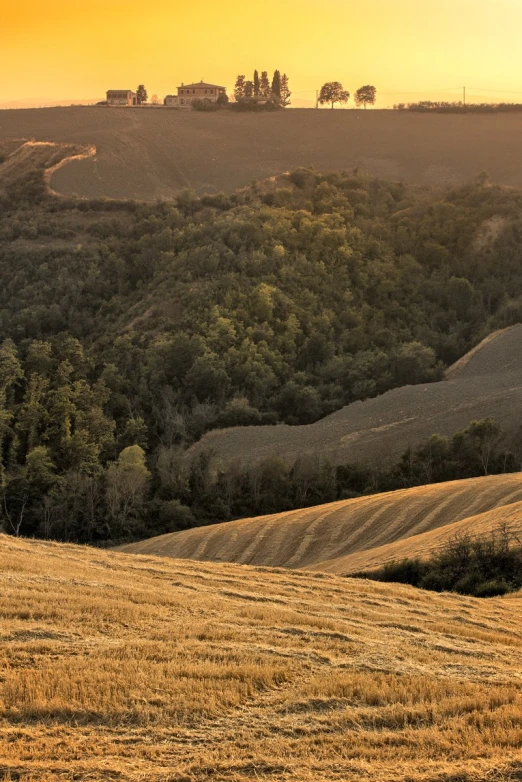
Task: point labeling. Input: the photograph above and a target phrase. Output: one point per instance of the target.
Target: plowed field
(486, 383)
(155, 153)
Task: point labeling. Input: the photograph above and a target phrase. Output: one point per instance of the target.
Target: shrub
(482, 567)
(254, 105)
(492, 588)
(204, 105)
(408, 571)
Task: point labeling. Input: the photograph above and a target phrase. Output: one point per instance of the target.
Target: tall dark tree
(141, 94)
(264, 85)
(276, 85)
(366, 96)
(249, 89)
(256, 83)
(285, 91)
(332, 92)
(239, 88)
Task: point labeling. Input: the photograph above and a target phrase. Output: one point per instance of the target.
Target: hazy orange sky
(52, 49)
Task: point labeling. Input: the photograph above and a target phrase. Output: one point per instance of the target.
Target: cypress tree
(256, 83)
(276, 85)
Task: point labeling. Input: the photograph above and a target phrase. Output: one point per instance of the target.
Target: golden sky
(410, 49)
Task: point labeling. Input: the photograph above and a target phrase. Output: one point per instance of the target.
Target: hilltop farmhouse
(122, 98)
(187, 93)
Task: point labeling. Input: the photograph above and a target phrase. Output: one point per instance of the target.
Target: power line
(312, 91)
(505, 92)
(419, 92)
(311, 95)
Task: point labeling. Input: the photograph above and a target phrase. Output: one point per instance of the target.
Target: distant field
(134, 669)
(148, 154)
(347, 536)
(485, 383)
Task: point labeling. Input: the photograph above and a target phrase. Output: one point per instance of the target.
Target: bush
(492, 588)
(408, 571)
(482, 567)
(204, 105)
(254, 105)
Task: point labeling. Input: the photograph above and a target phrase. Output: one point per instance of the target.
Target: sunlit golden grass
(351, 536)
(119, 667)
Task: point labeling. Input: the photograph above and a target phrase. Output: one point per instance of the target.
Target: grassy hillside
(345, 536)
(155, 154)
(134, 668)
(487, 383)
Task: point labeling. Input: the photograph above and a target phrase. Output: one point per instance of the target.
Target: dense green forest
(131, 329)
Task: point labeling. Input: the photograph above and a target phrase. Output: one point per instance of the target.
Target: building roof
(200, 84)
(132, 91)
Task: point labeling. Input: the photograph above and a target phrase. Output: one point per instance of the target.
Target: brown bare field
(118, 667)
(347, 536)
(149, 154)
(22, 156)
(485, 383)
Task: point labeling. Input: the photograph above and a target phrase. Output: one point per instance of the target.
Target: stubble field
(118, 667)
(353, 535)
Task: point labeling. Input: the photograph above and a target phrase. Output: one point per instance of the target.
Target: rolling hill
(351, 535)
(507, 516)
(150, 154)
(117, 667)
(485, 383)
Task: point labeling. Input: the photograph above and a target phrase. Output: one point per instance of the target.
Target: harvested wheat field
(155, 153)
(346, 536)
(118, 667)
(487, 383)
(506, 518)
